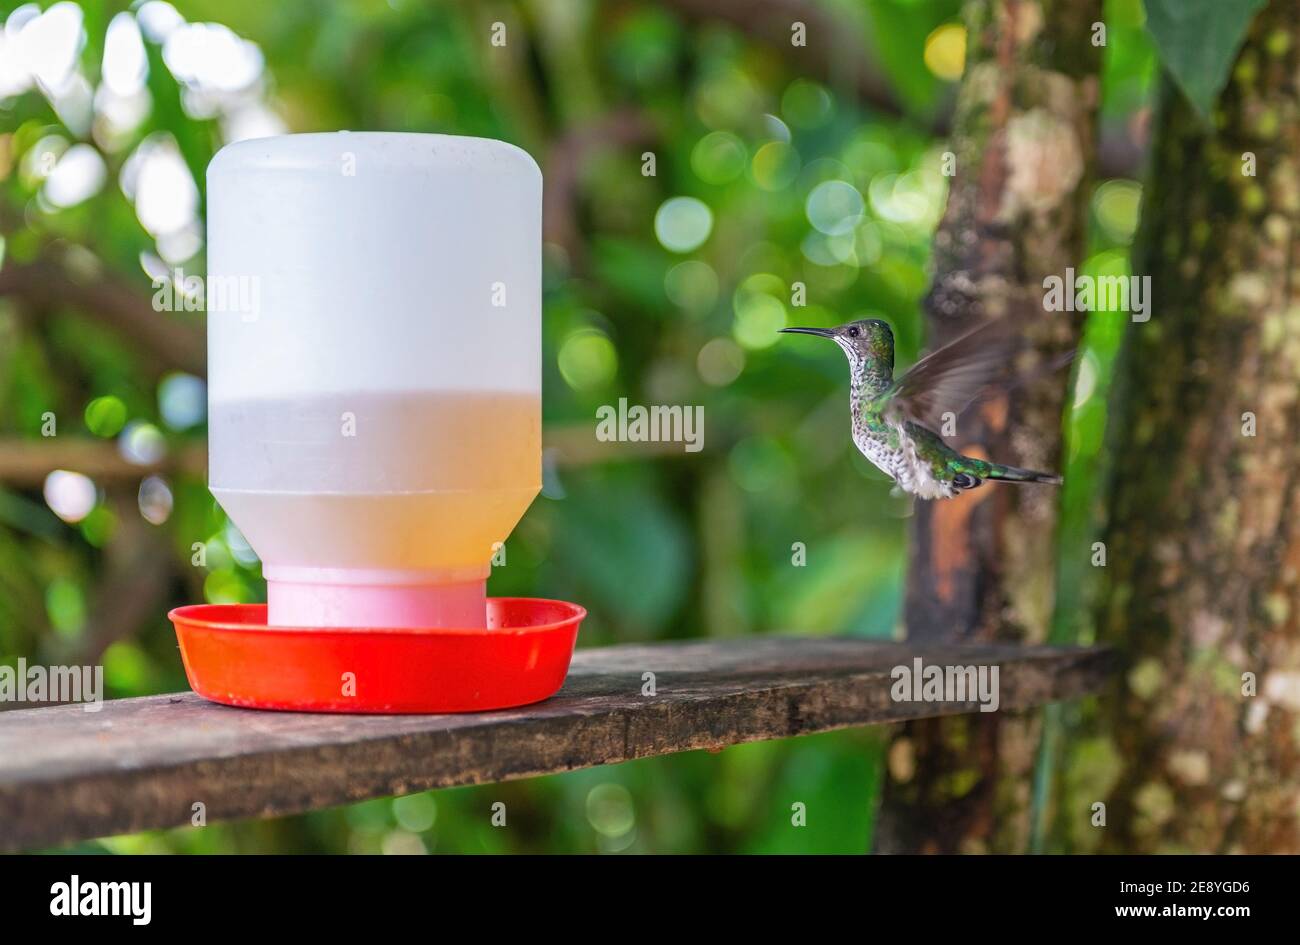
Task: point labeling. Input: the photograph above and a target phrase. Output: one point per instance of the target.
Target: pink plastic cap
(343, 597)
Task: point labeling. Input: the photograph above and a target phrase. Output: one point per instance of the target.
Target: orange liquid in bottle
(409, 480)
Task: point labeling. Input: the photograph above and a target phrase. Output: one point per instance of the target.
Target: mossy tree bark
(980, 564)
(1202, 584)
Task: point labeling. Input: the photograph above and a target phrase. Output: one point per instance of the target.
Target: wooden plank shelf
(137, 764)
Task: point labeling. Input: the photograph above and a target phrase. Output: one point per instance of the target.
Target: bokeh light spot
(49, 45)
(225, 587)
(692, 285)
(720, 362)
(234, 542)
(683, 223)
(155, 500)
(158, 19)
(912, 199)
(415, 812)
(126, 667)
(125, 65)
(70, 495)
(65, 604)
(759, 314)
(609, 810)
(1116, 204)
(78, 176)
(834, 207)
(945, 51)
(719, 158)
(776, 130)
(142, 443)
(182, 400)
(105, 416)
(401, 843)
(210, 56)
(587, 360)
(775, 165)
(806, 104)
(158, 180)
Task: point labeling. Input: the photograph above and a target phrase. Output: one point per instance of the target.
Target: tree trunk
(980, 564)
(1203, 546)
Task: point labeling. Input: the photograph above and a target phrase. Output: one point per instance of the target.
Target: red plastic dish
(231, 656)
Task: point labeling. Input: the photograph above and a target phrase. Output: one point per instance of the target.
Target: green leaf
(1198, 42)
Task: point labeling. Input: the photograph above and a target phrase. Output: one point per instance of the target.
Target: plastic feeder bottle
(374, 422)
(374, 339)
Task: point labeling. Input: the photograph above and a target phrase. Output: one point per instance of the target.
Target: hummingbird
(894, 419)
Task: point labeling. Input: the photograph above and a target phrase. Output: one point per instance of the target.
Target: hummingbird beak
(819, 332)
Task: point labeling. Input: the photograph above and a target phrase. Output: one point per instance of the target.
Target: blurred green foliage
(663, 288)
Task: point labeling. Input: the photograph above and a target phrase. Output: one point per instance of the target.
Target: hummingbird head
(868, 342)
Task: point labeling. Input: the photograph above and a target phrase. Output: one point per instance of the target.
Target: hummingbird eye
(854, 332)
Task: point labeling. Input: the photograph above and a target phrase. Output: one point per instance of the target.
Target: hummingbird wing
(950, 378)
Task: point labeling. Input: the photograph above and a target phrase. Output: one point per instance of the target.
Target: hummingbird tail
(1015, 474)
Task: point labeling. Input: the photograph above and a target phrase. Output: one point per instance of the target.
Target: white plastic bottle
(374, 344)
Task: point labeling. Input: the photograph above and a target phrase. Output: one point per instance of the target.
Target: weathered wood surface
(68, 774)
